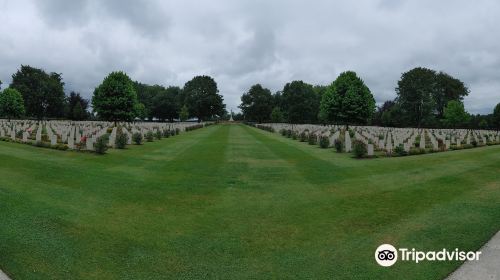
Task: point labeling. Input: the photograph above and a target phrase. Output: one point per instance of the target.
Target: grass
(234, 202)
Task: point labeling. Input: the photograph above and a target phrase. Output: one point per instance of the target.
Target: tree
(78, 113)
(43, 93)
(76, 107)
(415, 93)
(300, 102)
(140, 111)
(184, 113)
(448, 88)
(115, 99)
(277, 115)
(347, 100)
(496, 117)
(11, 104)
(202, 98)
(455, 114)
(256, 104)
(166, 104)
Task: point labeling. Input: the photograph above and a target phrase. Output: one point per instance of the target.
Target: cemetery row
(386, 140)
(83, 135)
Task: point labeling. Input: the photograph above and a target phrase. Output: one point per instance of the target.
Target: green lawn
(234, 202)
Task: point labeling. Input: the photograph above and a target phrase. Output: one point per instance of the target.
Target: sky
(244, 42)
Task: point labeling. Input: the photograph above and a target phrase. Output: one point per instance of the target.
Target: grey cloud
(241, 43)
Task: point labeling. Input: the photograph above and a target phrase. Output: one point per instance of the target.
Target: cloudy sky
(244, 42)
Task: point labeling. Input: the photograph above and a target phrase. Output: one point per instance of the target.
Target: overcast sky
(241, 43)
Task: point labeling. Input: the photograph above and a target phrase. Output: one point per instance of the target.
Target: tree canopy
(43, 93)
(257, 104)
(448, 88)
(115, 99)
(202, 98)
(166, 104)
(76, 107)
(347, 100)
(455, 114)
(496, 116)
(11, 104)
(415, 95)
(300, 102)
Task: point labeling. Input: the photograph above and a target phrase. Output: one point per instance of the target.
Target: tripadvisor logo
(387, 255)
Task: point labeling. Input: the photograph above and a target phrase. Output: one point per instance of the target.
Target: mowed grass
(234, 202)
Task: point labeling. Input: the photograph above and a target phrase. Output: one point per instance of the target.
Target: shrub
(121, 140)
(416, 151)
(177, 131)
(303, 136)
(400, 150)
(101, 144)
(324, 142)
(288, 133)
(137, 138)
(468, 146)
(351, 133)
(474, 143)
(294, 135)
(166, 133)
(283, 132)
(359, 149)
(312, 139)
(158, 134)
(149, 136)
(338, 145)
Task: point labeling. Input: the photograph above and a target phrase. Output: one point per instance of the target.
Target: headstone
(370, 149)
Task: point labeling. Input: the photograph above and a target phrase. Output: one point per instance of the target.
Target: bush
(400, 150)
(417, 151)
(158, 134)
(468, 146)
(338, 145)
(359, 149)
(177, 131)
(166, 133)
(294, 135)
(324, 142)
(283, 132)
(137, 138)
(474, 143)
(312, 139)
(149, 136)
(101, 144)
(121, 140)
(303, 136)
(288, 133)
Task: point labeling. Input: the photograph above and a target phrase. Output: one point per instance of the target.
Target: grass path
(234, 202)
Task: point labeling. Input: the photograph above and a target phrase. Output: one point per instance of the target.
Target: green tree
(76, 107)
(347, 100)
(448, 88)
(11, 104)
(257, 104)
(43, 93)
(166, 104)
(277, 115)
(496, 117)
(115, 99)
(415, 93)
(300, 102)
(140, 111)
(202, 98)
(78, 112)
(184, 113)
(455, 114)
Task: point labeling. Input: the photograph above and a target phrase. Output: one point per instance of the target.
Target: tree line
(36, 94)
(424, 98)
